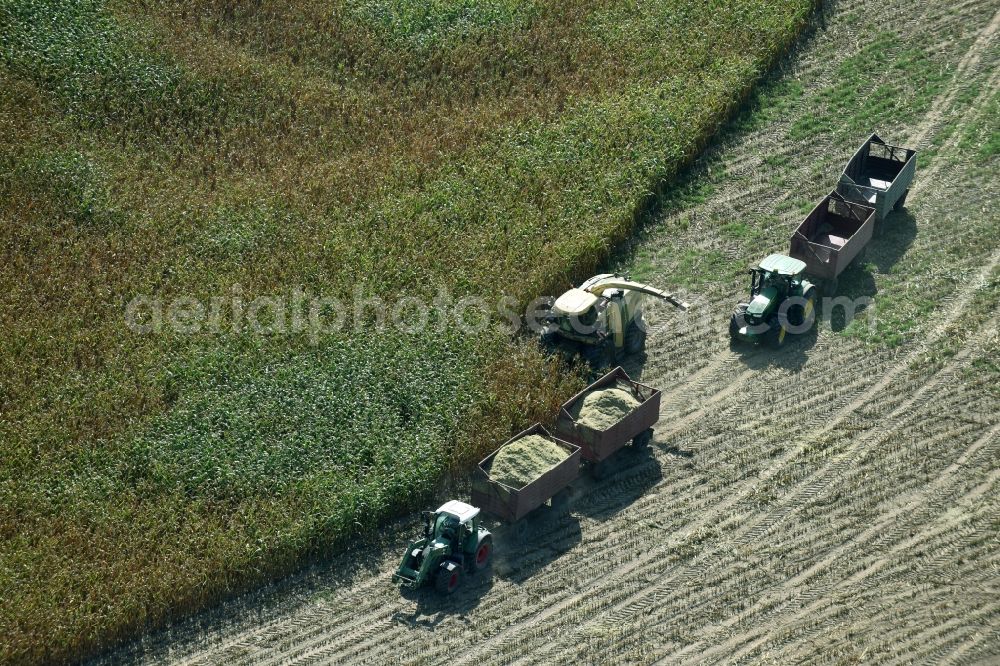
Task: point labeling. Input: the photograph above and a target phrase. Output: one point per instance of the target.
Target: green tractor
(782, 300)
(602, 319)
(454, 543)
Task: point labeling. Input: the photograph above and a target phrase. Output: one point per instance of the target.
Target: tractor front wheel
(549, 342)
(449, 577)
(738, 320)
(484, 553)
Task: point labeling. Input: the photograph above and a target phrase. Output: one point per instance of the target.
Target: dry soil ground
(832, 501)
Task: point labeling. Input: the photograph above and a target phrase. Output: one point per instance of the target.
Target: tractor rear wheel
(776, 333)
(484, 553)
(798, 314)
(738, 320)
(635, 339)
(449, 577)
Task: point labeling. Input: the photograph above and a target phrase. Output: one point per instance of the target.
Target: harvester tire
(635, 339)
(449, 577)
(484, 553)
(599, 356)
(738, 320)
(549, 342)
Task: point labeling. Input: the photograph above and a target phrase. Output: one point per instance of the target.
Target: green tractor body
(454, 543)
(602, 318)
(774, 282)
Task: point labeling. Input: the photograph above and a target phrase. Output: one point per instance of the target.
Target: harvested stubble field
(192, 151)
(829, 503)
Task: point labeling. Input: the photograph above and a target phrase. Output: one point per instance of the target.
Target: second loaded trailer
(635, 427)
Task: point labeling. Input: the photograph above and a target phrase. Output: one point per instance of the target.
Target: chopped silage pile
(602, 408)
(526, 459)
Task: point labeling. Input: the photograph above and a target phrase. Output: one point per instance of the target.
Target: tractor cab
(579, 313)
(454, 542)
(453, 521)
(776, 279)
(771, 282)
(777, 271)
(761, 280)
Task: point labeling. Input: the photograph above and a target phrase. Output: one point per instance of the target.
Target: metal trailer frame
(833, 217)
(598, 445)
(512, 504)
(879, 175)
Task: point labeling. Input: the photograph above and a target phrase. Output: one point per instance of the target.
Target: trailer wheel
(484, 553)
(599, 470)
(830, 287)
(901, 201)
(642, 440)
(519, 530)
(560, 499)
(449, 577)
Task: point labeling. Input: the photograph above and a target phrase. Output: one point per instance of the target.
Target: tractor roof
(782, 265)
(464, 512)
(574, 302)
